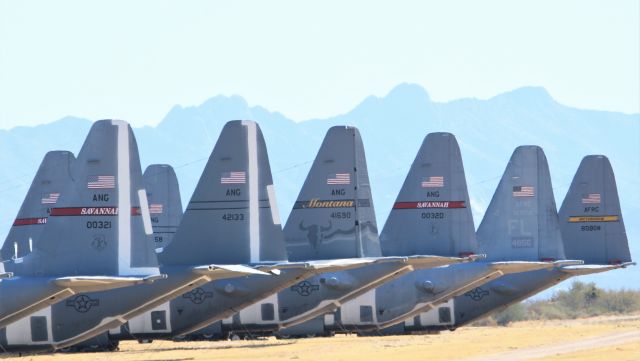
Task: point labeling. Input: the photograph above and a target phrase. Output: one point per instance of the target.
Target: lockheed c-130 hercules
(91, 226)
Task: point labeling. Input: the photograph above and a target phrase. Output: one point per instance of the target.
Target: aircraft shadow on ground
(213, 347)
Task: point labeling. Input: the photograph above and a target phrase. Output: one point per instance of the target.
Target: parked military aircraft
(430, 216)
(219, 300)
(101, 223)
(231, 231)
(590, 224)
(54, 226)
(223, 204)
(333, 217)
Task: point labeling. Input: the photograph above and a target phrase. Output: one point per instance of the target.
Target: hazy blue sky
(135, 59)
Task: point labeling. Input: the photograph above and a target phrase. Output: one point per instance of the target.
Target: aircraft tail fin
(53, 174)
(521, 222)
(165, 205)
(100, 224)
(590, 217)
(232, 217)
(432, 214)
(333, 216)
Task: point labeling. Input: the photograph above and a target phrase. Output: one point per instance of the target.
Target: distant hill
(392, 128)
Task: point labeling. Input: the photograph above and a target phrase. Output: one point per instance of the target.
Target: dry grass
(462, 344)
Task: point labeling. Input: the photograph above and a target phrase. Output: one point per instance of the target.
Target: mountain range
(392, 129)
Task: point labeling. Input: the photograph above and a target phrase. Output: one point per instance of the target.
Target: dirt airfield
(613, 338)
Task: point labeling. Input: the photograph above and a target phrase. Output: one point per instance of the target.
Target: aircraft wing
(98, 283)
(587, 269)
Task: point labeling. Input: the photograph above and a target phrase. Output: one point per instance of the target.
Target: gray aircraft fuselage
(496, 296)
(21, 296)
(297, 300)
(485, 300)
(385, 305)
(412, 294)
(206, 304)
(90, 314)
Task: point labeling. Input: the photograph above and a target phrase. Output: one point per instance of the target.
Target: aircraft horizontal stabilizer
(587, 269)
(520, 266)
(334, 265)
(420, 262)
(341, 264)
(97, 283)
(322, 266)
(216, 272)
(568, 262)
(153, 278)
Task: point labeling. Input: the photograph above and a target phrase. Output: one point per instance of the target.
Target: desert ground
(614, 338)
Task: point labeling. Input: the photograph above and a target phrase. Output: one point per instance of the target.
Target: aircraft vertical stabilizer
(432, 214)
(521, 222)
(238, 220)
(590, 217)
(53, 174)
(165, 205)
(100, 224)
(337, 196)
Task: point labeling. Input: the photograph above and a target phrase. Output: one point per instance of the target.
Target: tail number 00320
(432, 215)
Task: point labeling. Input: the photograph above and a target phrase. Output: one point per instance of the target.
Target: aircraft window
(444, 314)
(366, 314)
(158, 320)
(39, 328)
(235, 320)
(338, 315)
(267, 311)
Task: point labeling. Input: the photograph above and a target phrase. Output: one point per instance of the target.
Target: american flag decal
(233, 178)
(432, 182)
(50, 198)
(339, 178)
(592, 198)
(101, 182)
(523, 191)
(155, 208)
